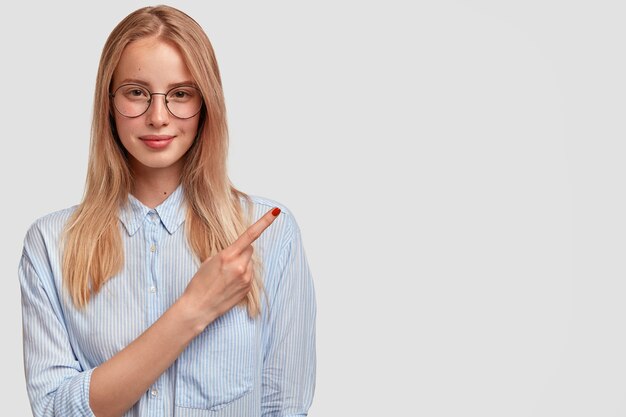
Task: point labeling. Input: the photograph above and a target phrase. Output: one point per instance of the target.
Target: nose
(157, 114)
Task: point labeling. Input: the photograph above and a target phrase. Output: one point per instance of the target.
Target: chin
(156, 161)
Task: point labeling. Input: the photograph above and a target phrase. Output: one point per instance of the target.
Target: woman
(124, 311)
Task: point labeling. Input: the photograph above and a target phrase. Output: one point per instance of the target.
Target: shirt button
(154, 392)
(153, 248)
(152, 289)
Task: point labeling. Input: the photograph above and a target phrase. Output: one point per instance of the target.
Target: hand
(224, 279)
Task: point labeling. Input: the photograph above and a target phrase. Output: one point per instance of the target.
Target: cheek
(190, 129)
(119, 124)
(124, 127)
(191, 126)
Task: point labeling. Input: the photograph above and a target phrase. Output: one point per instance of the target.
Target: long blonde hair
(92, 243)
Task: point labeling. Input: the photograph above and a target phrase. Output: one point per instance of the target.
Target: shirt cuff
(84, 388)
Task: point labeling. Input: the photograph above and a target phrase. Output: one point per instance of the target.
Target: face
(156, 141)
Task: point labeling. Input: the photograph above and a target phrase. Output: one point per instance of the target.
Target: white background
(456, 168)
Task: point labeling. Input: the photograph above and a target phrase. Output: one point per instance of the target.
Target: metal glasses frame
(112, 96)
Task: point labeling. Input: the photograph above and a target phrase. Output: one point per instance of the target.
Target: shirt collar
(171, 212)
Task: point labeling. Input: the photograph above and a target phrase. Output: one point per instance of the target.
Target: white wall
(456, 169)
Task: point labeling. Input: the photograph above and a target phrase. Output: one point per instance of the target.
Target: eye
(182, 94)
(134, 92)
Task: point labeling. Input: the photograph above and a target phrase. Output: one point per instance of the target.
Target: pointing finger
(253, 232)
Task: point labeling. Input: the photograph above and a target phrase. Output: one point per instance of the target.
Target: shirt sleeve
(55, 382)
(289, 364)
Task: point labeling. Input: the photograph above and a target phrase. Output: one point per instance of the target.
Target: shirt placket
(153, 232)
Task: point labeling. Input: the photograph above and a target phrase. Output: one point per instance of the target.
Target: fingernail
(276, 211)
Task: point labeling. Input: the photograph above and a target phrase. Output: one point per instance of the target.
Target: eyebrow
(169, 86)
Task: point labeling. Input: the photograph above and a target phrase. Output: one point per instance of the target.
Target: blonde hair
(93, 250)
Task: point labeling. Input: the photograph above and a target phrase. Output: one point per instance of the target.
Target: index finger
(253, 232)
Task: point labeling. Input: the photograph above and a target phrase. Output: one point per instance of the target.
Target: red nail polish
(276, 211)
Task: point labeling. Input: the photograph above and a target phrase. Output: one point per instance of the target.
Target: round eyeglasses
(133, 100)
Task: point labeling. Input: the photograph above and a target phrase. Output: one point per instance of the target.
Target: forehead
(156, 62)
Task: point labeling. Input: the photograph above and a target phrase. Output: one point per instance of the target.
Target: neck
(153, 186)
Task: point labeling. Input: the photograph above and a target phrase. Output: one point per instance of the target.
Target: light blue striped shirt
(237, 367)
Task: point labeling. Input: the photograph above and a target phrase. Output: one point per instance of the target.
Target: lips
(156, 137)
(156, 141)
